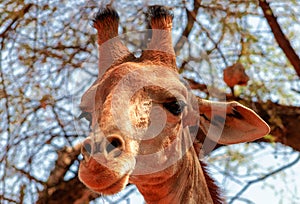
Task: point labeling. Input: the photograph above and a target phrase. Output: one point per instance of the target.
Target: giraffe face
(138, 124)
(143, 118)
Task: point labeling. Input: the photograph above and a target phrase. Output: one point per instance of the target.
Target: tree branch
(18, 15)
(68, 192)
(263, 178)
(281, 39)
(55, 183)
(65, 159)
(189, 26)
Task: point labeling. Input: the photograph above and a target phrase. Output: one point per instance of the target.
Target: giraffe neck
(184, 182)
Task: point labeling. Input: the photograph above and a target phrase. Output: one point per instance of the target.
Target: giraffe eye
(175, 107)
(86, 115)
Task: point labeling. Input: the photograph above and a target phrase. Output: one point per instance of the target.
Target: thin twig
(263, 178)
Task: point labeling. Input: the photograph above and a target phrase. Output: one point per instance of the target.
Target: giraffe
(145, 121)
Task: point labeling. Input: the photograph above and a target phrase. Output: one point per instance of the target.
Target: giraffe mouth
(114, 188)
(106, 178)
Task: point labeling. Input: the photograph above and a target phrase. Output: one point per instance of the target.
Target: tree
(48, 58)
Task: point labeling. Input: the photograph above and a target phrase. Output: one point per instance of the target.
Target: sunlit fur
(184, 180)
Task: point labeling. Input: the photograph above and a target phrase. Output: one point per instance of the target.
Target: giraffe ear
(230, 122)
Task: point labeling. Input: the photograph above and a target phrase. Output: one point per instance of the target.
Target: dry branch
(261, 178)
(280, 37)
(65, 159)
(18, 15)
(189, 26)
(56, 188)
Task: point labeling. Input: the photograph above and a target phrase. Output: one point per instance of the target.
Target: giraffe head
(141, 113)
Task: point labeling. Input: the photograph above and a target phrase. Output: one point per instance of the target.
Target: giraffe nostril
(112, 146)
(86, 147)
(114, 143)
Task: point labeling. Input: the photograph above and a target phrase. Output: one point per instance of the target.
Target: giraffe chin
(102, 179)
(114, 188)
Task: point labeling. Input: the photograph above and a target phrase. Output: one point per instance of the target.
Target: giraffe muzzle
(109, 148)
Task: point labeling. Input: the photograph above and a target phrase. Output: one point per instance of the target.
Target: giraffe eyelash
(175, 107)
(87, 116)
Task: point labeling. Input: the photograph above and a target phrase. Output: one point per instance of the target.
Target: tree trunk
(284, 122)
